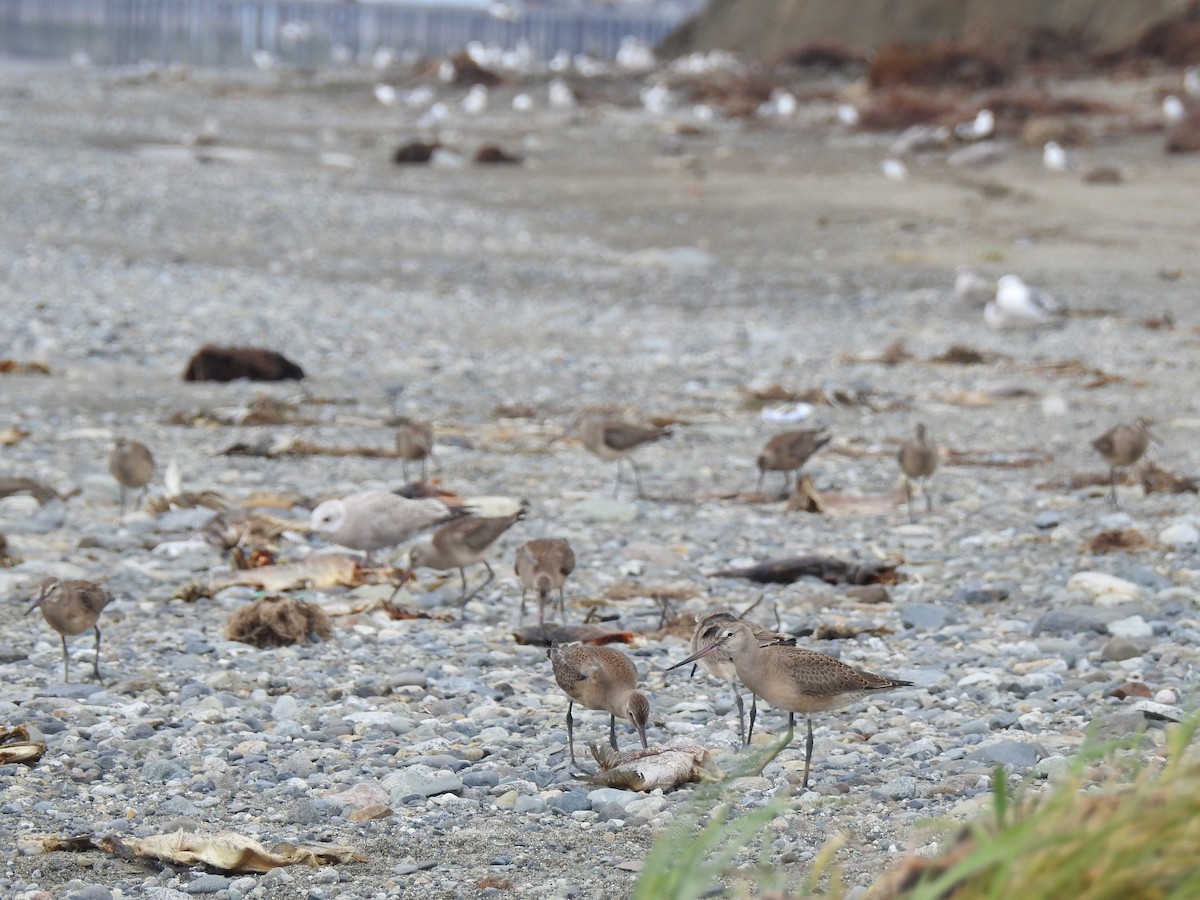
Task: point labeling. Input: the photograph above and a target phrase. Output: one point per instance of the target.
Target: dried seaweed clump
(213, 363)
(277, 622)
(936, 64)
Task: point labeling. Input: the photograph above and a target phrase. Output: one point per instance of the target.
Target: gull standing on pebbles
(373, 520)
(1055, 158)
(1017, 305)
(72, 607)
(132, 464)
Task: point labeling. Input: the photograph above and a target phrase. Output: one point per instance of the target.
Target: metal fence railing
(301, 32)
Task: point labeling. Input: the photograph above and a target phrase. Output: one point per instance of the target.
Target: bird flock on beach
(748, 657)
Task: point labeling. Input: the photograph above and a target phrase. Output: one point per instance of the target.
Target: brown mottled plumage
(463, 543)
(414, 443)
(599, 678)
(918, 458)
(1122, 446)
(789, 451)
(132, 464)
(72, 607)
(612, 439)
(791, 678)
(543, 564)
(720, 665)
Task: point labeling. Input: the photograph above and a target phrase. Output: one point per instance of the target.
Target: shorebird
(462, 543)
(543, 564)
(720, 665)
(373, 520)
(789, 451)
(599, 678)
(414, 443)
(1017, 305)
(791, 678)
(612, 439)
(72, 607)
(1122, 445)
(918, 459)
(133, 467)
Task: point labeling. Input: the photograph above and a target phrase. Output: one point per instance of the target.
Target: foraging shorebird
(1122, 445)
(72, 607)
(132, 464)
(610, 439)
(791, 678)
(789, 452)
(373, 520)
(720, 665)
(462, 543)
(543, 564)
(414, 443)
(600, 678)
(918, 458)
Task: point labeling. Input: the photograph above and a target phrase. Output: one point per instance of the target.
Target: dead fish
(550, 633)
(828, 569)
(317, 572)
(658, 767)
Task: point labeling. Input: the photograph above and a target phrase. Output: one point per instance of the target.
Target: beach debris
(665, 768)
(16, 747)
(225, 851)
(277, 621)
(550, 633)
(213, 363)
(39, 491)
(828, 569)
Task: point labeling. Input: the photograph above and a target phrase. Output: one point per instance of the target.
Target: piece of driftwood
(225, 851)
(40, 492)
(826, 568)
(16, 747)
(213, 363)
(548, 634)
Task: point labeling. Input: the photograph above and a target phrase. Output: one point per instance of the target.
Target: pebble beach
(662, 262)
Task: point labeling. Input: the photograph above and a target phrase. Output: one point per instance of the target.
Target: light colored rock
(1103, 589)
(1133, 627)
(1180, 535)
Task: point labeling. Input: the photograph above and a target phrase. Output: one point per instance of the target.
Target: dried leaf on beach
(40, 492)
(1157, 480)
(12, 367)
(1115, 540)
(628, 590)
(317, 572)
(225, 851)
(806, 498)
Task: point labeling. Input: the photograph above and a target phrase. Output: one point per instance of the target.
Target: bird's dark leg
(66, 659)
(928, 495)
(908, 496)
(96, 663)
(753, 714)
(617, 486)
(1112, 486)
(562, 607)
(404, 469)
(571, 731)
(637, 477)
(463, 598)
(761, 475)
(121, 514)
(491, 575)
(808, 750)
(612, 730)
(737, 695)
(521, 618)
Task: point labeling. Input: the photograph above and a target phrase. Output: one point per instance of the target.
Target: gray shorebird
(918, 458)
(373, 520)
(611, 439)
(1122, 446)
(414, 443)
(720, 664)
(792, 678)
(70, 608)
(463, 543)
(789, 451)
(599, 678)
(132, 464)
(543, 565)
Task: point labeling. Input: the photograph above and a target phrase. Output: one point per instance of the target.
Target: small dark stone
(213, 363)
